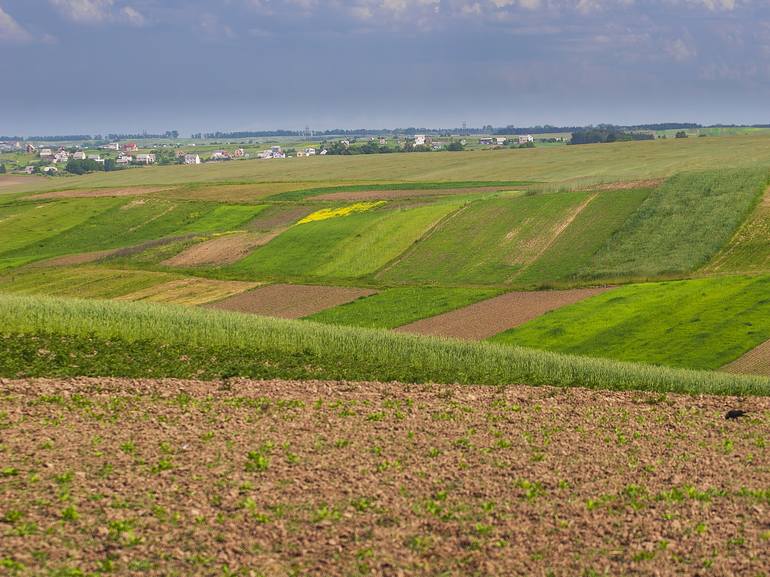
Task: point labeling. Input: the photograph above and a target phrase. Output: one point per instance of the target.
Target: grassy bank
(56, 337)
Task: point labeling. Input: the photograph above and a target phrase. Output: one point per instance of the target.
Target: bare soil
(494, 316)
(100, 192)
(279, 217)
(291, 301)
(397, 194)
(223, 250)
(755, 362)
(74, 259)
(9, 181)
(323, 479)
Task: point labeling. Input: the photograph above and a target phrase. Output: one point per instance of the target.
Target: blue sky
(200, 65)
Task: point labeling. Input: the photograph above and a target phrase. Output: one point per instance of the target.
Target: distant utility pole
(465, 128)
(308, 132)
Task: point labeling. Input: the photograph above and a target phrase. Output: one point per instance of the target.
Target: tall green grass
(681, 225)
(145, 339)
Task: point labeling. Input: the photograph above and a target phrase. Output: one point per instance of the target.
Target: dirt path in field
(100, 192)
(755, 362)
(491, 317)
(223, 250)
(397, 194)
(325, 479)
(291, 301)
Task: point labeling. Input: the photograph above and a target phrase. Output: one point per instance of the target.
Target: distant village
(116, 155)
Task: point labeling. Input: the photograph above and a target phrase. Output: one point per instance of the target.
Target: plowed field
(491, 317)
(219, 251)
(755, 362)
(327, 479)
(291, 301)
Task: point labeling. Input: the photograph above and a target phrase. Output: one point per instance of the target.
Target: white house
(310, 151)
(420, 140)
(345, 143)
(111, 146)
(145, 158)
(526, 138)
(383, 141)
(62, 156)
(486, 141)
(239, 153)
(45, 152)
(124, 159)
(220, 155)
(31, 149)
(192, 159)
(79, 155)
(501, 140)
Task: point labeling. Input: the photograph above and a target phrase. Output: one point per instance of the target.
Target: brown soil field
(755, 362)
(223, 250)
(10, 181)
(491, 317)
(397, 194)
(190, 291)
(291, 301)
(74, 259)
(279, 217)
(99, 192)
(627, 185)
(319, 479)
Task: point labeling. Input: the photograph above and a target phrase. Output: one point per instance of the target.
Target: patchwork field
(189, 291)
(291, 301)
(318, 478)
(220, 251)
(702, 324)
(491, 317)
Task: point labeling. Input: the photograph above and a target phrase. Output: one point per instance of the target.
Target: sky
(101, 66)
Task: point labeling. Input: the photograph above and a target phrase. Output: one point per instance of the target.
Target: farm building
(525, 139)
(145, 158)
(192, 159)
(130, 147)
(486, 141)
(79, 155)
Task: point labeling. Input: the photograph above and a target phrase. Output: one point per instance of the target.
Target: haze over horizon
(99, 66)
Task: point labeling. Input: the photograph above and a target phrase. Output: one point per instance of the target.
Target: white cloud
(84, 11)
(133, 16)
(12, 31)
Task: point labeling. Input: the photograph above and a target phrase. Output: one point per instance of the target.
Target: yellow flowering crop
(327, 213)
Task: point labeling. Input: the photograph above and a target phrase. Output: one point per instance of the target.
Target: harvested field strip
(189, 291)
(391, 308)
(108, 338)
(404, 194)
(221, 251)
(699, 324)
(80, 282)
(491, 317)
(279, 217)
(411, 187)
(749, 250)
(99, 192)
(755, 362)
(502, 472)
(291, 301)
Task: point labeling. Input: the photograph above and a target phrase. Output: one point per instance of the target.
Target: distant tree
(83, 166)
(2, 169)
(681, 134)
(455, 146)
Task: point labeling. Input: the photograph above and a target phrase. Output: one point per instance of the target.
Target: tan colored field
(190, 291)
(99, 192)
(400, 194)
(291, 301)
(491, 317)
(755, 362)
(74, 259)
(328, 479)
(14, 181)
(220, 251)
(235, 192)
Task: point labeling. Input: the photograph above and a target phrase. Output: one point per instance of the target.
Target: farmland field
(701, 324)
(318, 478)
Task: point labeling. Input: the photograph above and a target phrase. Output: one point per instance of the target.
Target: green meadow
(698, 324)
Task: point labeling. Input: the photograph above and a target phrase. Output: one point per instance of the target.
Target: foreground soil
(291, 301)
(755, 362)
(106, 476)
(491, 317)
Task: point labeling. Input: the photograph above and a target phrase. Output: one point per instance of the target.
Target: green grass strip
(136, 339)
